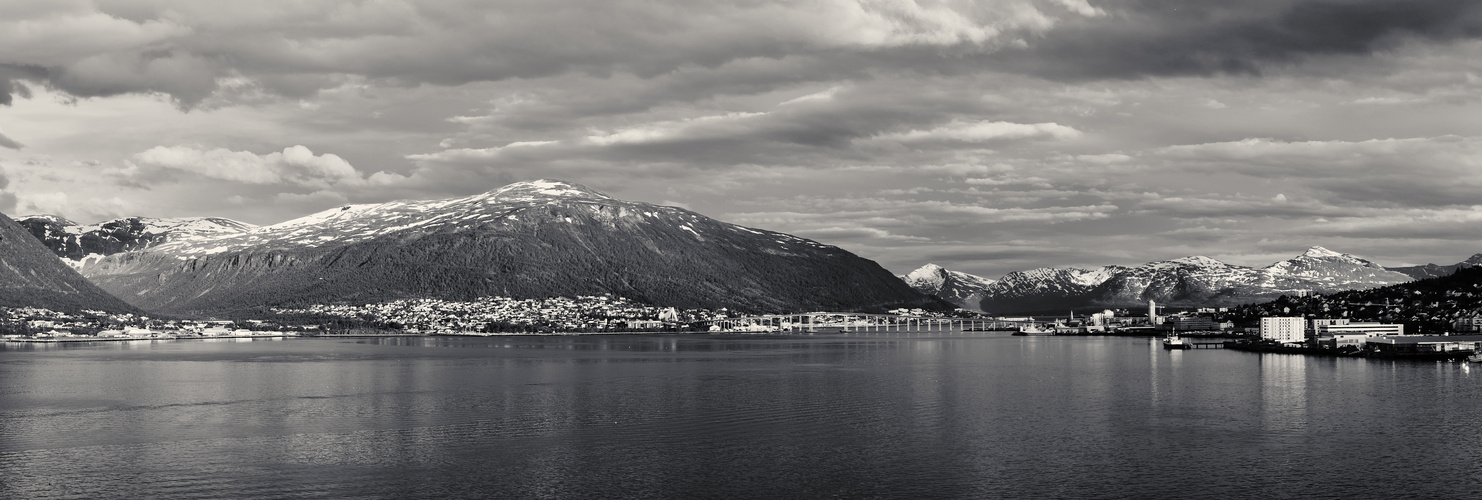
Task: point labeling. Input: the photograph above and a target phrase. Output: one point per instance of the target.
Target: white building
(1284, 330)
(1366, 329)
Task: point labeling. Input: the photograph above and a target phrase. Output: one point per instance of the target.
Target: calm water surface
(830, 416)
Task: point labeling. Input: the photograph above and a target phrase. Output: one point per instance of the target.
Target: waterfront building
(1189, 323)
(1367, 329)
(1425, 343)
(1284, 330)
(1343, 340)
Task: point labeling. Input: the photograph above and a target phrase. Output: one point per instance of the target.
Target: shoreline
(58, 340)
(61, 340)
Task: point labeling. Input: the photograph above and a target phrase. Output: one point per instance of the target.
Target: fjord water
(946, 415)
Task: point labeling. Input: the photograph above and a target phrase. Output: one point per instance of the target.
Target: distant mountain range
(551, 238)
(1185, 281)
(30, 276)
(526, 240)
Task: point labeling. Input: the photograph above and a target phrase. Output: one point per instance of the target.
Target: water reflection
(960, 415)
(1283, 393)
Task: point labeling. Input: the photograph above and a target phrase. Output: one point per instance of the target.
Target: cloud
(474, 154)
(294, 166)
(10, 81)
(1412, 172)
(45, 203)
(1147, 38)
(7, 142)
(1239, 206)
(714, 126)
(1460, 224)
(7, 198)
(896, 216)
(983, 131)
(185, 49)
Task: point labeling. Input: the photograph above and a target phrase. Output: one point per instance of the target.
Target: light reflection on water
(964, 415)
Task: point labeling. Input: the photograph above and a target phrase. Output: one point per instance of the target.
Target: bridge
(829, 322)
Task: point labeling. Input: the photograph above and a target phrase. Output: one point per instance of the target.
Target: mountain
(1187, 281)
(526, 240)
(963, 289)
(31, 276)
(1323, 270)
(1045, 289)
(1433, 270)
(1196, 279)
(75, 242)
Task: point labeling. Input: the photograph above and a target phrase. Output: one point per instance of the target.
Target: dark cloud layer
(993, 135)
(11, 78)
(292, 50)
(1142, 38)
(7, 198)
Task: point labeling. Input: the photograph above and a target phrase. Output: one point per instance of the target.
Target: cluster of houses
(32, 323)
(504, 314)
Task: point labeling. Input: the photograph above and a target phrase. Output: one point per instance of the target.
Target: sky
(985, 136)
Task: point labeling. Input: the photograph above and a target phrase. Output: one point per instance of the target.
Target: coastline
(58, 340)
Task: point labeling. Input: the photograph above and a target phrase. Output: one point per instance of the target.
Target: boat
(1175, 342)
(1033, 329)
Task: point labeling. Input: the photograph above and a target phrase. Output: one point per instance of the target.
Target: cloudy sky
(986, 136)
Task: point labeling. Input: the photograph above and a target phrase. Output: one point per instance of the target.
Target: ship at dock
(1176, 342)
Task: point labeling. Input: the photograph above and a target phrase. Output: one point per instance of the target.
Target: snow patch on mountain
(1093, 277)
(1320, 252)
(965, 290)
(1200, 261)
(545, 189)
(76, 244)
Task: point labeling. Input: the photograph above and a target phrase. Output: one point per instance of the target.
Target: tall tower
(1153, 312)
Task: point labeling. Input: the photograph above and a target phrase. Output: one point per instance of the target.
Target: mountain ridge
(76, 243)
(533, 239)
(959, 288)
(31, 276)
(1193, 280)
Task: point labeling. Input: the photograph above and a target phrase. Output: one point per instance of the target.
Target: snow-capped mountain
(76, 243)
(30, 276)
(1044, 288)
(526, 240)
(1195, 280)
(963, 289)
(1324, 270)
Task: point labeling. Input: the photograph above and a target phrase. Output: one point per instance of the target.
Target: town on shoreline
(607, 314)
